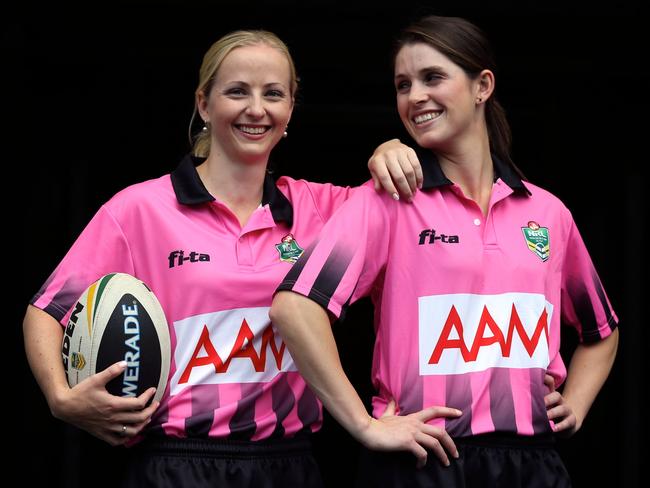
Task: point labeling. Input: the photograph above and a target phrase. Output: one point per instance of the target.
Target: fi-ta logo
(178, 258)
(429, 236)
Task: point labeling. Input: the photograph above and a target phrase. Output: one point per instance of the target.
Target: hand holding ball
(118, 318)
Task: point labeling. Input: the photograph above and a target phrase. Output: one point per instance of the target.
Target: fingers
(146, 396)
(420, 454)
(113, 371)
(433, 412)
(417, 168)
(567, 425)
(433, 445)
(122, 432)
(403, 175)
(552, 398)
(549, 381)
(397, 171)
(382, 178)
(375, 182)
(137, 417)
(558, 412)
(443, 438)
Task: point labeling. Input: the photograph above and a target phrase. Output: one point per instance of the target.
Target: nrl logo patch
(537, 239)
(289, 249)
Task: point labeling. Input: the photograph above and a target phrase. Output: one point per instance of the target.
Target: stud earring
(285, 133)
(206, 126)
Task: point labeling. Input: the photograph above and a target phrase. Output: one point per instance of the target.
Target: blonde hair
(212, 61)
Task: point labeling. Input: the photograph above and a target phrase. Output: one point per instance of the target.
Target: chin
(428, 141)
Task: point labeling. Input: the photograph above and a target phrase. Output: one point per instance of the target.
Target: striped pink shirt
(231, 375)
(468, 308)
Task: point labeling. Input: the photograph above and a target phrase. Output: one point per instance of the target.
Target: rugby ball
(118, 318)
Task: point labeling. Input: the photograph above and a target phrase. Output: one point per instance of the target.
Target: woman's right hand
(395, 167)
(89, 406)
(392, 432)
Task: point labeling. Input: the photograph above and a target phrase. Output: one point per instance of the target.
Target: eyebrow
(428, 69)
(266, 85)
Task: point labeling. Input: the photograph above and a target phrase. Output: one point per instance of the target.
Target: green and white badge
(537, 239)
(289, 249)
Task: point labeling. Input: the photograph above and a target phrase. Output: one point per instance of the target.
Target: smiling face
(436, 100)
(249, 103)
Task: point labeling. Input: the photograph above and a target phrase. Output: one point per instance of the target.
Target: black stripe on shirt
(600, 291)
(205, 400)
(584, 308)
(283, 401)
(308, 409)
(330, 275)
(538, 391)
(502, 404)
(459, 395)
(242, 424)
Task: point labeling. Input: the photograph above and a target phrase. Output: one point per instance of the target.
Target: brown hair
(212, 61)
(466, 46)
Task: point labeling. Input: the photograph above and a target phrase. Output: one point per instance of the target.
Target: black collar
(190, 190)
(434, 177)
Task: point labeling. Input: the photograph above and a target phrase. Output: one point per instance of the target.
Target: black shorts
(488, 461)
(198, 463)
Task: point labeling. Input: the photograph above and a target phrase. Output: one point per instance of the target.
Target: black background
(99, 95)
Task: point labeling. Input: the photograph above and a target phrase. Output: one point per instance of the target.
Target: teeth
(425, 117)
(252, 130)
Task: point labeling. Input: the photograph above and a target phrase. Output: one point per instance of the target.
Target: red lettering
(196, 361)
(453, 320)
(530, 343)
(486, 321)
(243, 348)
(480, 340)
(269, 338)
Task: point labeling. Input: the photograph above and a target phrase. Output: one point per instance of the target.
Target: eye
(402, 86)
(274, 93)
(432, 77)
(236, 92)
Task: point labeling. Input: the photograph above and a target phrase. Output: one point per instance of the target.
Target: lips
(253, 130)
(425, 117)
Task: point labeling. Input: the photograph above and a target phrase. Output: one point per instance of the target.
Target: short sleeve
(100, 249)
(585, 305)
(348, 256)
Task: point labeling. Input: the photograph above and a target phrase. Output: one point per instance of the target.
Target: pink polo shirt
(467, 308)
(231, 375)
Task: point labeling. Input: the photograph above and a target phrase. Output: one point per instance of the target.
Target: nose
(417, 93)
(256, 107)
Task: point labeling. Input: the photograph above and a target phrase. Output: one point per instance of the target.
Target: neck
(238, 185)
(470, 166)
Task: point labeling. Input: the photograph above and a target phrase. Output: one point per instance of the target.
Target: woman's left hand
(559, 411)
(395, 168)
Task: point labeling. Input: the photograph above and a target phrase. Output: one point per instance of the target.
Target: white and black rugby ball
(118, 318)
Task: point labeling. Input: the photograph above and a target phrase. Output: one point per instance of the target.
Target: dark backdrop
(98, 96)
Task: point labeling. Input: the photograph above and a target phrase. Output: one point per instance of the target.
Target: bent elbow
(281, 307)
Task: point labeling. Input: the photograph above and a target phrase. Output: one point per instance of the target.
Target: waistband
(225, 448)
(506, 439)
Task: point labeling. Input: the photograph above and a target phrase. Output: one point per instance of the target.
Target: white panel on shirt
(197, 363)
(441, 350)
